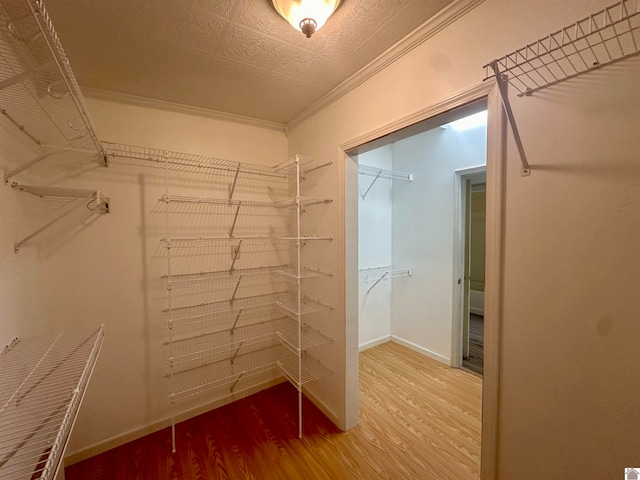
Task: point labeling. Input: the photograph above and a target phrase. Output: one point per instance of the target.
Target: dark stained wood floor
(419, 419)
(474, 362)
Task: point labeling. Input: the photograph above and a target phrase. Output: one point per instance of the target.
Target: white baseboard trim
(374, 343)
(126, 437)
(330, 414)
(422, 350)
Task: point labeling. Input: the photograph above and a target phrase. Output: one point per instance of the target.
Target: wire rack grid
(602, 38)
(43, 383)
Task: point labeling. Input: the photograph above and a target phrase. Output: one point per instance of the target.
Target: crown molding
(435, 24)
(138, 101)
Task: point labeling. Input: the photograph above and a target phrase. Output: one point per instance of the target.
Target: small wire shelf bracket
(379, 173)
(39, 92)
(96, 202)
(603, 38)
(44, 380)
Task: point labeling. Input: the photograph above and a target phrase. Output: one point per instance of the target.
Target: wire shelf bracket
(603, 38)
(98, 201)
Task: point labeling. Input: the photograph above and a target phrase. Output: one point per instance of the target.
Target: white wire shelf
(309, 337)
(384, 174)
(189, 162)
(379, 173)
(289, 306)
(215, 312)
(289, 202)
(605, 37)
(43, 382)
(300, 164)
(305, 272)
(196, 348)
(38, 90)
(377, 274)
(190, 280)
(197, 381)
(308, 370)
(206, 241)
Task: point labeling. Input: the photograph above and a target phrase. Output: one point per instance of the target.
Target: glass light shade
(296, 12)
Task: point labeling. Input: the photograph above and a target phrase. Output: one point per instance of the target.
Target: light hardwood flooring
(419, 419)
(474, 362)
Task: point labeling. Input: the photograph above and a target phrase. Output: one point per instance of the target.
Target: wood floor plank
(418, 419)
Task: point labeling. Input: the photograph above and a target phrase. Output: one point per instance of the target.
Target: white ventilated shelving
(38, 90)
(44, 380)
(237, 318)
(39, 94)
(381, 173)
(603, 38)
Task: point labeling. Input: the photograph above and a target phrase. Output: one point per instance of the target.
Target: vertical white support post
(299, 288)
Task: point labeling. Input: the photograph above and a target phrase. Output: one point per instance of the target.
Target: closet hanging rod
(607, 36)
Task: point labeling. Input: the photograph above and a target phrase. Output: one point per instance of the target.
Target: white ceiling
(232, 56)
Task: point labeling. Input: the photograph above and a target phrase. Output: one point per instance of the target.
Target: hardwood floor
(475, 361)
(419, 419)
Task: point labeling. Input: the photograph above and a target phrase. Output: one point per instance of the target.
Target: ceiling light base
(308, 26)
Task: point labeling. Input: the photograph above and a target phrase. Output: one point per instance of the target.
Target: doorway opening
(407, 289)
(469, 259)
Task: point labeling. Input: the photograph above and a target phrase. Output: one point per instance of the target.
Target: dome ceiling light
(306, 15)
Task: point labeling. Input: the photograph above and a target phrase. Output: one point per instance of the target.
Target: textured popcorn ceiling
(233, 56)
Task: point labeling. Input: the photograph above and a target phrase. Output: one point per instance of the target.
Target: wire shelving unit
(44, 380)
(238, 317)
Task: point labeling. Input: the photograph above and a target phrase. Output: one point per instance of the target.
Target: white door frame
(459, 228)
(496, 146)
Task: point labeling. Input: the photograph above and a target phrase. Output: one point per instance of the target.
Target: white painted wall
(568, 388)
(374, 248)
(23, 294)
(108, 272)
(423, 220)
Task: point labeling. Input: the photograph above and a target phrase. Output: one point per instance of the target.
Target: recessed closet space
(409, 282)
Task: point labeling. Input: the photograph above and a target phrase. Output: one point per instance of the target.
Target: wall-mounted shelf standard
(377, 274)
(44, 380)
(379, 173)
(38, 90)
(95, 201)
(605, 37)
